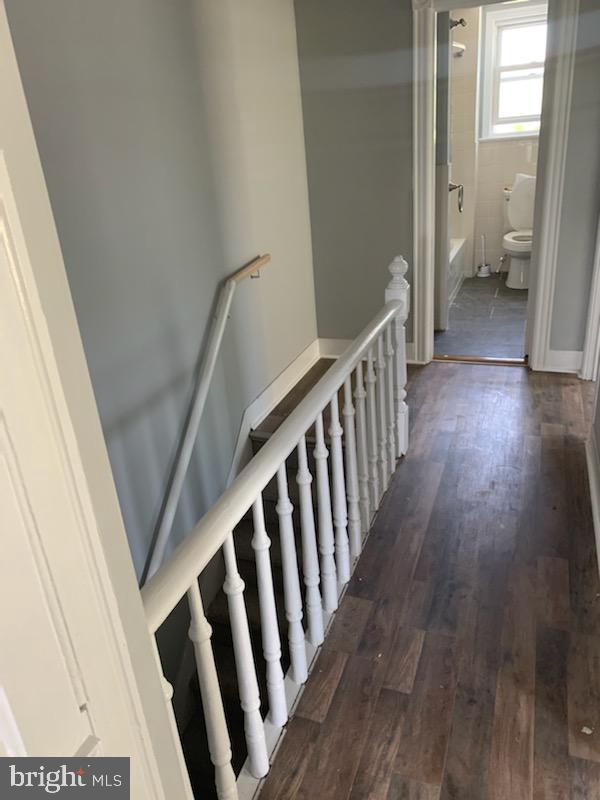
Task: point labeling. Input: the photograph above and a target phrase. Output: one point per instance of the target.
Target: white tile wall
(463, 169)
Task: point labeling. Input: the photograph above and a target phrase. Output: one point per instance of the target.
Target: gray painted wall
(172, 143)
(356, 73)
(596, 424)
(581, 199)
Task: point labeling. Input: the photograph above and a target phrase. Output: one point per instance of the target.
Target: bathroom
(489, 98)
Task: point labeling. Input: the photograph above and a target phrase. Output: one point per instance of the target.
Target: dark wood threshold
(496, 362)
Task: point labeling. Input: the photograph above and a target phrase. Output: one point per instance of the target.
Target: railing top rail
(168, 585)
(250, 268)
(196, 408)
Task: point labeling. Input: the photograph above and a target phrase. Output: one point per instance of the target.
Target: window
(513, 49)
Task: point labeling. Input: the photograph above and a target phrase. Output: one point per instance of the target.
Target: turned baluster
(310, 555)
(391, 412)
(291, 581)
(219, 744)
(399, 289)
(382, 416)
(244, 663)
(352, 492)
(325, 522)
(372, 432)
(338, 482)
(168, 696)
(362, 451)
(268, 617)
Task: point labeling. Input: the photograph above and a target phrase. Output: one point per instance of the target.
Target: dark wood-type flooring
(464, 661)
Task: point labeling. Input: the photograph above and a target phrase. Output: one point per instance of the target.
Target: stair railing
(189, 434)
(351, 480)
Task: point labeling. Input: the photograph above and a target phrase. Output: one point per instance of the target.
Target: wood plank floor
(464, 662)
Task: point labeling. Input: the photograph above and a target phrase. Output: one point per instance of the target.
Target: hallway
(464, 661)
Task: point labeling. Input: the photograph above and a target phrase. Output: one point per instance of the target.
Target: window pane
(516, 128)
(522, 45)
(520, 93)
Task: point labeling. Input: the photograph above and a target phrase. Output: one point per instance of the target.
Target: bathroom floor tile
(486, 319)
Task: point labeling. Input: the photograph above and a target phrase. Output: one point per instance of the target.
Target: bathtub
(456, 267)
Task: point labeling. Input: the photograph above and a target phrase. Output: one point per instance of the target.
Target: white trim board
(333, 348)
(266, 402)
(277, 390)
(556, 112)
(593, 468)
(561, 361)
(554, 128)
(591, 347)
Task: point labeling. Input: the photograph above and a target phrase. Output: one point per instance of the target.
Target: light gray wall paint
(596, 424)
(172, 143)
(581, 197)
(356, 73)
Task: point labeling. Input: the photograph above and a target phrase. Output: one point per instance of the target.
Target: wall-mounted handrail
(353, 471)
(195, 410)
(164, 589)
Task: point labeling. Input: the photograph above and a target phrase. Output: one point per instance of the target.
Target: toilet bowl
(517, 242)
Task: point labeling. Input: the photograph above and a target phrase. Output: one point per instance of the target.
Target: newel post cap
(398, 287)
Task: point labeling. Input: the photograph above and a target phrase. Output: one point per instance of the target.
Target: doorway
(556, 108)
(490, 72)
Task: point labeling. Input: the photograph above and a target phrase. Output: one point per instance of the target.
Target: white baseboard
(266, 402)
(562, 361)
(277, 390)
(593, 467)
(333, 348)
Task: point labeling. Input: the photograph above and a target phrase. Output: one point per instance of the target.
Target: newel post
(399, 289)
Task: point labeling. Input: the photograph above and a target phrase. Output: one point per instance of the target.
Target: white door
(67, 684)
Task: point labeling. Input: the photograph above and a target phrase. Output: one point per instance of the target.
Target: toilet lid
(522, 198)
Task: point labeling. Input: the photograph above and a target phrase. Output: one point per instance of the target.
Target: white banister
(164, 590)
(244, 663)
(310, 555)
(363, 454)
(372, 431)
(352, 491)
(195, 411)
(391, 411)
(268, 617)
(382, 416)
(398, 290)
(291, 581)
(219, 744)
(340, 511)
(362, 450)
(325, 517)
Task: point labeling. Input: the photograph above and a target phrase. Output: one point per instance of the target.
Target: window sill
(508, 136)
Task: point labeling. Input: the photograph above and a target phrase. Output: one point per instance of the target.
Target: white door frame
(561, 47)
(140, 711)
(591, 346)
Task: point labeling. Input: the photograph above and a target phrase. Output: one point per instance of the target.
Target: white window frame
(494, 21)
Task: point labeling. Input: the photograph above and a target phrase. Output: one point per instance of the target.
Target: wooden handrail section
(252, 267)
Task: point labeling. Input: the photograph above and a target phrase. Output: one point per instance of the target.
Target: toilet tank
(506, 227)
(521, 203)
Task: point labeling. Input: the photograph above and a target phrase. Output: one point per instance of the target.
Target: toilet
(518, 211)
